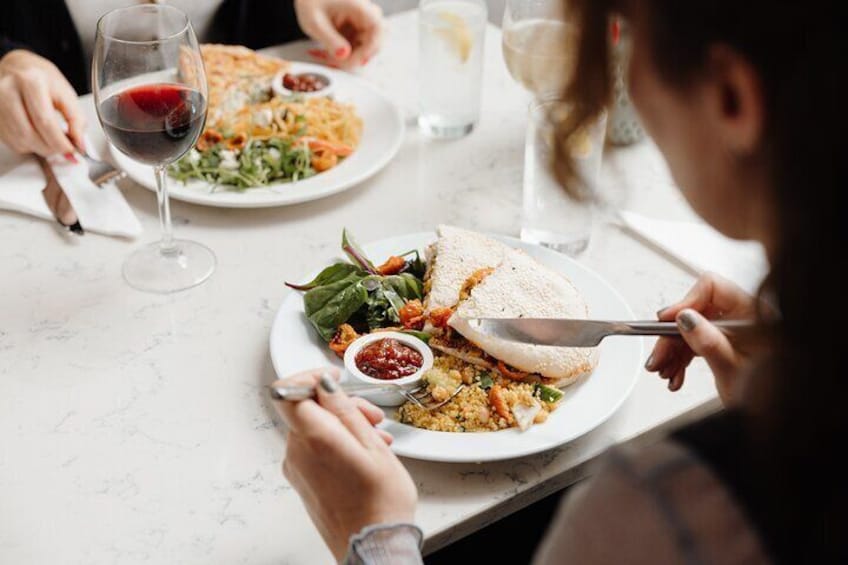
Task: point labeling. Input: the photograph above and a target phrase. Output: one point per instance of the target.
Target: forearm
(386, 544)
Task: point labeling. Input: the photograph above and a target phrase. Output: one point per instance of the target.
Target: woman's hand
(712, 297)
(349, 31)
(31, 89)
(340, 464)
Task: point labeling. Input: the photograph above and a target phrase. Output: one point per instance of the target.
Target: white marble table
(134, 427)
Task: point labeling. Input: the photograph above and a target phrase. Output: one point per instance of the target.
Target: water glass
(451, 35)
(550, 217)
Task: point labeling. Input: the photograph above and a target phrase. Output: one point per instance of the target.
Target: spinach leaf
(331, 274)
(357, 256)
(383, 303)
(329, 306)
(415, 266)
(405, 285)
(356, 293)
(377, 309)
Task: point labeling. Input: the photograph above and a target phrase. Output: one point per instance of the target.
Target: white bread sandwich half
(452, 259)
(522, 287)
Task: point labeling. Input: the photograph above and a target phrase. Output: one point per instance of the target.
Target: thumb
(325, 33)
(707, 340)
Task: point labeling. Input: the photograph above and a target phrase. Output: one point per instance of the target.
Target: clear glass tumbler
(451, 36)
(550, 217)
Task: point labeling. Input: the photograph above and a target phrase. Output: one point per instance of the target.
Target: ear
(737, 99)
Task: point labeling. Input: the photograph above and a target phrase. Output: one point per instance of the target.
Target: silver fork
(101, 172)
(419, 395)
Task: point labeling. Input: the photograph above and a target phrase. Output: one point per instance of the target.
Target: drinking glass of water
(451, 35)
(550, 217)
(538, 54)
(535, 49)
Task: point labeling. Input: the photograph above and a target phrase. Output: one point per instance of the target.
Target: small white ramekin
(387, 398)
(280, 90)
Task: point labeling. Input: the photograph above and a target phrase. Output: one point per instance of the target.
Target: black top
(46, 28)
(794, 523)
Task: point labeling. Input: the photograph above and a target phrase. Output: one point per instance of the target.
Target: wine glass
(535, 48)
(150, 93)
(538, 54)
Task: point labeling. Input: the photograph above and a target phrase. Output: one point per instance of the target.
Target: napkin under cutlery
(99, 209)
(701, 248)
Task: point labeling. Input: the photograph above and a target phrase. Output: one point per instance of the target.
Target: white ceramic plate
(588, 403)
(382, 134)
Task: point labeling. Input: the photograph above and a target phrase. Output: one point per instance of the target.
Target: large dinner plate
(382, 134)
(586, 404)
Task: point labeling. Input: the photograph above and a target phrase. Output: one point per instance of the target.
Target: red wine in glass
(154, 123)
(150, 92)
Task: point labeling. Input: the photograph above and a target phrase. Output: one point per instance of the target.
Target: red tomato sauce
(388, 359)
(304, 83)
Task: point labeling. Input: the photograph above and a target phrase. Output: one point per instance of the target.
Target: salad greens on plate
(360, 295)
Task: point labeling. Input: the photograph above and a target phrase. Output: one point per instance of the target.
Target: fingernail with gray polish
(687, 321)
(660, 312)
(328, 383)
(649, 364)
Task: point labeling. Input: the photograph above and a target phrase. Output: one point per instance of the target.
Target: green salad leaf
(258, 163)
(329, 306)
(486, 381)
(355, 293)
(547, 393)
(331, 274)
(355, 253)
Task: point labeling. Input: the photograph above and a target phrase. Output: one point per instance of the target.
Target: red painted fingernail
(365, 61)
(341, 52)
(70, 158)
(318, 53)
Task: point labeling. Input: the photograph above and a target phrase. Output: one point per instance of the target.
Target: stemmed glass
(150, 93)
(535, 45)
(538, 55)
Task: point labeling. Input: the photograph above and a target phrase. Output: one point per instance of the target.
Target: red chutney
(388, 359)
(304, 83)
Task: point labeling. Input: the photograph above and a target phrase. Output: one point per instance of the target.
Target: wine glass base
(152, 269)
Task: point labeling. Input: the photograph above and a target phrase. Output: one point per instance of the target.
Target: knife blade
(57, 200)
(584, 333)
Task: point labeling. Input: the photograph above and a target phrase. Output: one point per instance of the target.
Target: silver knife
(585, 333)
(57, 200)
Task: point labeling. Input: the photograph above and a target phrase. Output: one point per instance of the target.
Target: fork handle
(298, 392)
(728, 327)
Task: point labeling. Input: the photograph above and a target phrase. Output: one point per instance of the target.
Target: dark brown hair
(797, 427)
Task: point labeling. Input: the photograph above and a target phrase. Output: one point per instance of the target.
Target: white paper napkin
(99, 209)
(701, 248)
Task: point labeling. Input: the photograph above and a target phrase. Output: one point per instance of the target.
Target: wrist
(389, 543)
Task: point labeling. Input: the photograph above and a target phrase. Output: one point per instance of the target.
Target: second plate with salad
(382, 131)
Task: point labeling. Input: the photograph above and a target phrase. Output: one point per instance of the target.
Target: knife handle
(56, 199)
(728, 327)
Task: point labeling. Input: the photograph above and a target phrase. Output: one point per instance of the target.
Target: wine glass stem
(166, 244)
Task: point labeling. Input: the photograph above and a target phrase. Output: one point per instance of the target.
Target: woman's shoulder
(657, 504)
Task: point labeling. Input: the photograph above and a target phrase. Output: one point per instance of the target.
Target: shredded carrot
(511, 373)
